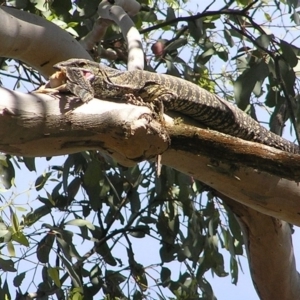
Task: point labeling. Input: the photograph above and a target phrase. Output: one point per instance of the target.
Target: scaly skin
(88, 80)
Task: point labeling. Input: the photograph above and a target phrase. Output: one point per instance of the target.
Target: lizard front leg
(155, 106)
(157, 97)
(79, 83)
(71, 79)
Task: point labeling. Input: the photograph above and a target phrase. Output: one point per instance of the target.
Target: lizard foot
(155, 106)
(138, 101)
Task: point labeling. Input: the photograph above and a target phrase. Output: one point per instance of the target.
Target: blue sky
(145, 250)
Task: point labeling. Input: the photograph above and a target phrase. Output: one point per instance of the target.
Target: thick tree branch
(36, 41)
(234, 151)
(39, 125)
(274, 276)
(131, 134)
(268, 194)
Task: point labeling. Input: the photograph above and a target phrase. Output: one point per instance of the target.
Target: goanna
(88, 80)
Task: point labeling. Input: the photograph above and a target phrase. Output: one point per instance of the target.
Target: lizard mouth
(61, 77)
(88, 75)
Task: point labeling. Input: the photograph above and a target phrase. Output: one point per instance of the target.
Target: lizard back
(209, 109)
(179, 95)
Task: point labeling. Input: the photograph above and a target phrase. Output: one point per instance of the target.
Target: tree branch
(275, 275)
(131, 134)
(36, 41)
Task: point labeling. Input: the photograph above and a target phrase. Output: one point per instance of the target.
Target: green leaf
(170, 14)
(29, 163)
(73, 188)
(244, 2)
(91, 179)
(234, 226)
(296, 18)
(264, 40)
(40, 5)
(172, 70)
(222, 52)
(95, 276)
(69, 163)
(289, 53)
(205, 56)
(34, 216)
(72, 273)
(4, 292)
(11, 249)
(3, 229)
(167, 253)
(178, 43)
(196, 244)
(55, 194)
(139, 231)
(18, 279)
(65, 241)
(147, 220)
(206, 288)
(7, 173)
(287, 74)
(148, 16)
(77, 296)
(41, 180)
(7, 237)
(196, 29)
(54, 275)
(165, 276)
(135, 202)
(81, 222)
(268, 17)
(234, 270)
(115, 277)
(44, 247)
(137, 295)
(20, 238)
(228, 38)
(20, 208)
(7, 265)
(106, 254)
(218, 267)
(14, 221)
(247, 81)
(72, 24)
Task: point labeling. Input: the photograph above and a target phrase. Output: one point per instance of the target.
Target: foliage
(91, 229)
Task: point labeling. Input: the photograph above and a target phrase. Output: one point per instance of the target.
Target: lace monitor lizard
(87, 79)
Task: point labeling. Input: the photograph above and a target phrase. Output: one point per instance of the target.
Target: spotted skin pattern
(88, 80)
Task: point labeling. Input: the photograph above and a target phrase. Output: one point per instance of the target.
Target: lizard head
(87, 79)
(79, 76)
(76, 63)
